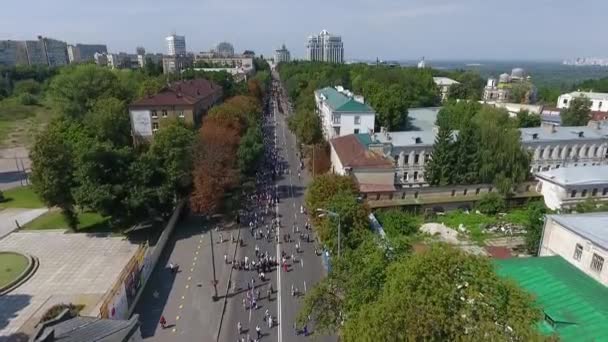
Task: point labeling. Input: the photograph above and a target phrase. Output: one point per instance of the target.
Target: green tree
(306, 126)
(150, 87)
(390, 104)
(534, 226)
(323, 187)
(578, 113)
(445, 295)
(251, 148)
(28, 86)
(109, 121)
(491, 203)
(466, 166)
(439, 170)
(525, 119)
(397, 222)
(76, 89)
(52, 171)
(457, 115)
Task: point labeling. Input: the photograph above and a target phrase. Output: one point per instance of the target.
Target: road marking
(191, 269)
(177, 318)
(199, 247)
(183, 297)
(189, 278)
(173, 330)
(195, 258)
(302, 262)
(187, 286)
(304, 286)
(181, 306)
(194, 264)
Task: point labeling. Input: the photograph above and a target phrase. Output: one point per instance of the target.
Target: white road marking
(304, 286)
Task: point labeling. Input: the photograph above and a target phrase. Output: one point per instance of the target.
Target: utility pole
(213, 263)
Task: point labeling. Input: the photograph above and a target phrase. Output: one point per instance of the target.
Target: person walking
(163, 322)
(239, 327)
(270, 322)
(258, 331)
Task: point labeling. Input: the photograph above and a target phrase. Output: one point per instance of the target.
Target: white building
(581, 239)
(444, 84)
(599, 101)
(565, 187)
(343, 113)
(85, 52)
(176, 45)
(282, 55)
(325, 48)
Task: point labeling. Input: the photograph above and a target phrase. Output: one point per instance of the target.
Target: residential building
(554, 146)
(325, 48)
(224, 49)
(85, 52)
(123, 60)
(282, 55)
(36, 53)
(101, 59)
(501, 90)
(350, 155)
(444, 84)
(581, 239)
(156, 58)
(248, 54)
(574, 305)
(177, 63)
(182, 100)
(13, 52)
(56, 51)
(515, 108)
(566, 187)
(212, 60)
(238, 74)
(343, 113)
(176, 45)
(599, 101)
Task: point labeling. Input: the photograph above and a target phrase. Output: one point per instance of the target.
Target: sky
(387, 29)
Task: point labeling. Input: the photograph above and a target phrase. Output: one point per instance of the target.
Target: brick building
(183, 100)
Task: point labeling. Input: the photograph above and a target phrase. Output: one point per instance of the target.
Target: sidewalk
(185, 299)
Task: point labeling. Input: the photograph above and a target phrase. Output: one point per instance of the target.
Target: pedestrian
(225, 258)
(163, 322)
(266, 314)
(239, 327)
(270, 322)
(258, 331)
(305, 330)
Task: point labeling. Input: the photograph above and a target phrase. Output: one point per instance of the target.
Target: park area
(12, 265)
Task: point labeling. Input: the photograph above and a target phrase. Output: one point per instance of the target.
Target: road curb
(219, 327)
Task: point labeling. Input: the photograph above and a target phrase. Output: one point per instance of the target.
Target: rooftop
(422, 119)
(560, 133)
(572, 176)
(353, 153)
(590, 95)
(407, 138)
(591, 226)
(444, 81)
(339, 102)
(180, 93)
(575, 305)
(83, 328)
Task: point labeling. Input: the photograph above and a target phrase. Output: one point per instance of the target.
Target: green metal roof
(575, 305)
(364, 139)
(342, 103)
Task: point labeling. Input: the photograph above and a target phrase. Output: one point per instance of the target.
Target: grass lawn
(21, 197)
(11, 266)
(20, 123)
(88, 222)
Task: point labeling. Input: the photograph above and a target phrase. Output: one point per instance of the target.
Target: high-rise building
(13, 53)
(140, 50)
(36, 55)
(224, 49)
(282, 55)
(176, 45)
(85, 52)
(325, 48)
(56, 51)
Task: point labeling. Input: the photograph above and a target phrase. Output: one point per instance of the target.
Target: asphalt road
(304, 270)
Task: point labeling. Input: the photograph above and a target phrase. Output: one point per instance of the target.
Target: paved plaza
(77, 268)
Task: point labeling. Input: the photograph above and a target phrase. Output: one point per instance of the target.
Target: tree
(397, 222)
(251, 149)
(390, 105)
(445, 295)
(324, 186)
(306, 126)
(466, 166)
(534, 226)
(578, 112)
(76, 89)
(28, 86)
(439, 170)
(52, 171)
(109, 121)
(319, 160)
(525, 119)
(353, 222)
(457, 115)
(491, 203)
(150, 87)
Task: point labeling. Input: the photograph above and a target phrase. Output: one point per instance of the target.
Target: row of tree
(485, 149)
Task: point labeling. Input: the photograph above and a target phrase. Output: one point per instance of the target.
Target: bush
(27, 87)
(55, 310)
(27, 99)
(396, 222)
(491, 203)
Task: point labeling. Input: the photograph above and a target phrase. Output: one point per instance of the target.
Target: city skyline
(437, 29)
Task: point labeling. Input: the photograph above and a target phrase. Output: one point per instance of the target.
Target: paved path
(10, 216)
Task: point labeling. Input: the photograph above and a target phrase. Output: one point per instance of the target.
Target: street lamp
(324, 212)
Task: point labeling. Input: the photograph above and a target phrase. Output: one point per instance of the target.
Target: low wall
(443, 195)
(121, 300)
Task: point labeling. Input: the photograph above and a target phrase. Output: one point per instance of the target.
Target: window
(155, 126)
(597, 262)
(415, 176)
(573, 194)
(453, 193)
(406, 159)
(164, 113)
(154, 114)
(465, 192)
(594, 192)
(356, 131)
(416, 159)
(584, 193)
(565, 101)
(477, 191)
(336, 119)
(357, 120)
(600, 105)
(405, 177)
(426, 158)
(181, 114)
(578, 252)
(605, 191)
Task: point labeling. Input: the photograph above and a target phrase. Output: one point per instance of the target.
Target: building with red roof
(185, 100)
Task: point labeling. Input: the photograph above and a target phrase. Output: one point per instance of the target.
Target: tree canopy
(578, 112)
